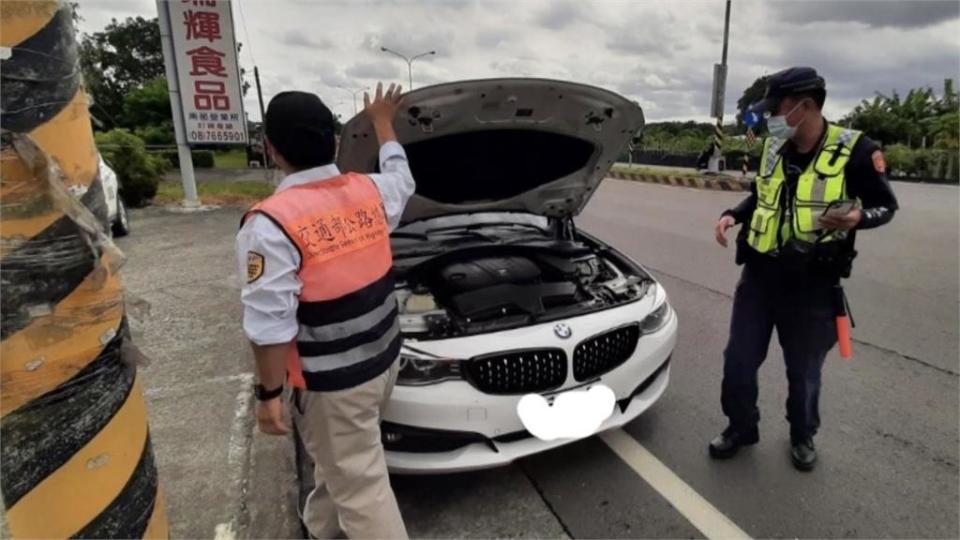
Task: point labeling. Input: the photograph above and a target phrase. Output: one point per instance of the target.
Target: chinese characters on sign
(207, 71)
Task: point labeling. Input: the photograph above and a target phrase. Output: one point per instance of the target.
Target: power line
(246, 32)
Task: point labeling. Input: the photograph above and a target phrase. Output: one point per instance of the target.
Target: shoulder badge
(255, 265)
(879, 164)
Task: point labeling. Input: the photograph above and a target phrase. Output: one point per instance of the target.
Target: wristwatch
(263, 394)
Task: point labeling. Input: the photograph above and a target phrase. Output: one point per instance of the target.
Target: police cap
(790, 82)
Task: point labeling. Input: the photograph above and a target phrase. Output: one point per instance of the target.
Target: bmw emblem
(563, 331)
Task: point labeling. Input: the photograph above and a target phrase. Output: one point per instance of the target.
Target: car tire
(121, 224)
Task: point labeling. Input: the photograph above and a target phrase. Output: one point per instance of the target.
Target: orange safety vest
(349, 330)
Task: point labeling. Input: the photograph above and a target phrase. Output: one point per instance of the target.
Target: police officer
(795, 246)
(320, 311)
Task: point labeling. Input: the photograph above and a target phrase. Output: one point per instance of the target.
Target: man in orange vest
(319, 308)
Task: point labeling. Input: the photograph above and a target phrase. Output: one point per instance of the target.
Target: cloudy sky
(658, 52)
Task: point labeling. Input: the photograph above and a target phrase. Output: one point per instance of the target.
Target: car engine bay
(476, 290)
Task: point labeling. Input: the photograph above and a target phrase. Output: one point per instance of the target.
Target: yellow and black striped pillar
(749, 138)
(718, 137)
(76, 458)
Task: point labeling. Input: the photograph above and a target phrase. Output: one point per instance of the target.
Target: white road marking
(697, 510)
(238, 454)
(224, 531)
(238, 445)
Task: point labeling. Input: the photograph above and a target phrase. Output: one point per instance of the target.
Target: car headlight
(656, 320)
(420, 371)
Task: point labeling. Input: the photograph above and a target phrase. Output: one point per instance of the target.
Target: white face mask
(778, 127)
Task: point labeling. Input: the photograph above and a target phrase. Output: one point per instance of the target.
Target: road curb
(725, 183)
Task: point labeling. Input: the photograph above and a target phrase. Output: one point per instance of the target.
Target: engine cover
(487, 272)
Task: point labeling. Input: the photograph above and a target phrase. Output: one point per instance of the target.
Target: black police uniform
(793, 293)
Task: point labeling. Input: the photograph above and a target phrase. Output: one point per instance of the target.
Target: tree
(147, 110)
(125, 57)
(920, 119)
(945, 127)
(117, 61)
(875, 118)
(910, 113)
(751, 95)
(148, 105)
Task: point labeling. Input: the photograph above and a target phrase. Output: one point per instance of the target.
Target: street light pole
(726, 33)
(720, 81)
(409, 61)
(354, 94)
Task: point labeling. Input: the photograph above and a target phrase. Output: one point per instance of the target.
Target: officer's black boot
(727, 444)
(803, 454)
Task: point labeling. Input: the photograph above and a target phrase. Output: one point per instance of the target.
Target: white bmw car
(501, 296)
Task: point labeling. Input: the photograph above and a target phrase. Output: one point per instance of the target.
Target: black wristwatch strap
(263, 394)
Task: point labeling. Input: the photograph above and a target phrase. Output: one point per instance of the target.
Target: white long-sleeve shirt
(270, 301)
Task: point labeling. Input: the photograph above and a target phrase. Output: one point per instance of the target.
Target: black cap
(789, 82)
(301, 128)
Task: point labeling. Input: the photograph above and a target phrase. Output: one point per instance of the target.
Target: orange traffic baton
(844, 321)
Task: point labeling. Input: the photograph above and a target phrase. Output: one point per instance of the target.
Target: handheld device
(839, 208)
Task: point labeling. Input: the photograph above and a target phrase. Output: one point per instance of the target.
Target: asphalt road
(889, 441)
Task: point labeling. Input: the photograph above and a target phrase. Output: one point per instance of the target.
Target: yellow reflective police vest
(823, 181)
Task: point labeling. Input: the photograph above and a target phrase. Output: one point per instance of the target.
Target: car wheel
(121, 224)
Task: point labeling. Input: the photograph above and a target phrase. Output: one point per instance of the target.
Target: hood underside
(528, 145)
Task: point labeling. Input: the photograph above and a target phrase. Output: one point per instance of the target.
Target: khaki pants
(340, 432)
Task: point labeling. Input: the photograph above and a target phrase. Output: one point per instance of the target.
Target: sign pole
(190, 199)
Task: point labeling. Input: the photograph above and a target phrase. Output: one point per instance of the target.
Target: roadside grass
(220, 192)
(233, 159)
(654, 171)
(640, 169)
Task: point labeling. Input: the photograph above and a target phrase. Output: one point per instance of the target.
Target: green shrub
(138, 172)
(202, 159)
(938, 165)
(923, 163)
(171, 157)
(156, 134)
(901, 160)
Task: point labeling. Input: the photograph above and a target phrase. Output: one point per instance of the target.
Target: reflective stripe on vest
(823, 181)
(349, 331)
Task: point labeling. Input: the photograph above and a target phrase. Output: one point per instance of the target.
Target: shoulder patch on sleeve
(879, 164)
(255, 266)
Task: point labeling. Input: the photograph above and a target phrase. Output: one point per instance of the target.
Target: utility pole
(719, 89)
(409, 61)
(263, 120)
(190, 199)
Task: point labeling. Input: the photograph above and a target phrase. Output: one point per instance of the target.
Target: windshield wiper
(524, 225)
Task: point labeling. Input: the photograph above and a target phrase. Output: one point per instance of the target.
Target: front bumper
(453, 427)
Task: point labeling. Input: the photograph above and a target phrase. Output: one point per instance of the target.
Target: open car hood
(528, 145)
